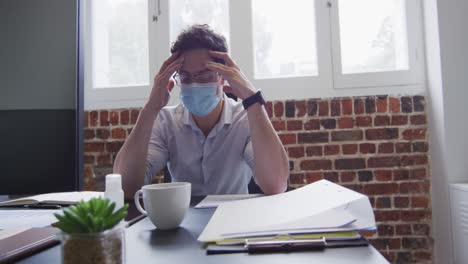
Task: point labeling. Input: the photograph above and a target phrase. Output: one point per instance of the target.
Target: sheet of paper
(213, 201)
(67, 197)
(26, 218)
(322, 199)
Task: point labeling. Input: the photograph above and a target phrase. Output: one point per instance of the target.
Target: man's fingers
(224, 56)
(169, 60)
(166, 74)
(225, 70)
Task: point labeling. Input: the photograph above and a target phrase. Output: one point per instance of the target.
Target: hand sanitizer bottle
(114, 190)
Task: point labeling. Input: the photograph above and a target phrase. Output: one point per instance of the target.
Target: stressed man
(208, 139)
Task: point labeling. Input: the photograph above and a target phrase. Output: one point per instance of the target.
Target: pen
(43, 206)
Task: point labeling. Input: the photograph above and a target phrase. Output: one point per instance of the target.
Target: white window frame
(329, 82)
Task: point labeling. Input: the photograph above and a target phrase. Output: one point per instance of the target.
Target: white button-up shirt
(221, 163)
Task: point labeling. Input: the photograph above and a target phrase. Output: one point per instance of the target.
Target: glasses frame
(193, 77)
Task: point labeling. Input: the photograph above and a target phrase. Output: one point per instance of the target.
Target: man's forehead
(195, 60)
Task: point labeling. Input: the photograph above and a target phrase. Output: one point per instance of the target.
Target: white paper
(67, 197)
(292, 211)
(213, 201)
(27, 218)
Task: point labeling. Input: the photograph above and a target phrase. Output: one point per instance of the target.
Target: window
(290, 49)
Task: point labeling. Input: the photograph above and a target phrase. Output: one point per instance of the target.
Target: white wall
(447, 75)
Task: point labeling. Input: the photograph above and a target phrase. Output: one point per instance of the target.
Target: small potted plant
(91, 232)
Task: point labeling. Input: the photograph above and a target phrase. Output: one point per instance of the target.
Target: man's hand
(238, 83)
(159, 96)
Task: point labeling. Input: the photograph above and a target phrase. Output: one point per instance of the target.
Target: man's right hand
(159, 96)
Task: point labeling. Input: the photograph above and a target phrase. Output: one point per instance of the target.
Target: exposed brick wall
(375, 145)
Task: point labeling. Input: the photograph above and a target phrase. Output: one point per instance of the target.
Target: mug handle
(137, 202)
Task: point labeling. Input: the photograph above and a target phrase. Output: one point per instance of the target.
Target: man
(207, 139)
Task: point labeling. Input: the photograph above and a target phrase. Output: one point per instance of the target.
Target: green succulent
(93, 216)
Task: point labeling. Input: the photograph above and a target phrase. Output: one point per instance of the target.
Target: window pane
(119, 43)
(373, 35)
(284, 38)
(184, 13)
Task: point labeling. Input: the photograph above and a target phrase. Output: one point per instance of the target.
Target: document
(10, 219)
(319, 207)
(61, 198)
(213, 201)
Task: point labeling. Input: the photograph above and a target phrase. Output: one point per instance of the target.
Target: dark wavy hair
(199, 37)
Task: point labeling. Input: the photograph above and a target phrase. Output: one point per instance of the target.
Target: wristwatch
(256, 98)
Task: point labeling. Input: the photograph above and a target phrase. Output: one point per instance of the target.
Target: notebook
(60, 198)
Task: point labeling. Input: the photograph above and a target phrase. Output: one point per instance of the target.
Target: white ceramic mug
(165, 203)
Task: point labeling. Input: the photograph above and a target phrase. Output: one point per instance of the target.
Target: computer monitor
(41, 96)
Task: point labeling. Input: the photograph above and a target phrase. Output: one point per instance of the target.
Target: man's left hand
(239, 85)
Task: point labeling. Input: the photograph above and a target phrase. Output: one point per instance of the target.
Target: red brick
(288, 139)
(386, 243)
(335, 108)
(403, 230)
(313, 137)
(294, 125)
(331, 176)
(419, 202)
(418, 119)
(301, 108)
(114, 118)
(316, 165)
(349, 149)
(363, 121)
(394, 104)
(399, 120)
(93, 147)
(114, 147)
(269, 109)
(93, 118)
(422, 256)
(119, 133)
(297, 178)
(350, 164)
(278, 108)
(124, 117)
(414, 160)
(312, 107)
(312, 124)
(386, 148)
(347, 135)
(104, 160)
(382, 120)
(380, 188)
(400, 175)
(414, 187)
(383, 202)
(102, 133)
(381, 162)
(323, 108)
(420, 147)
(347, 106)
(89, 159)
(345, 122)
(415, 243)
(313, 177)
(279, 125)
(296, 152)
(382, 104)
(412, 134)
(402, 147)
(383, 175)
(358, 106)
(104, 118)
(331, 149)
(421, 229)
(366, 148)
(314, 151)
(86, 119)
(89, 133)
(415, 215)
(134, 116)
(347, 176)
(381, 133)
(401, 202)
(418, 174)
(387, 215)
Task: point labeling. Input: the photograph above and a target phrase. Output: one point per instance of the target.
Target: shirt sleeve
(158, 153)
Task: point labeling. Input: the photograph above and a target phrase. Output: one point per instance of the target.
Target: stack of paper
(317, 208)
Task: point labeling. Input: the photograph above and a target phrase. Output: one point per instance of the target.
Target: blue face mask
(199, 98)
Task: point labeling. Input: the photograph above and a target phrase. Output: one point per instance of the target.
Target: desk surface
(145, 244)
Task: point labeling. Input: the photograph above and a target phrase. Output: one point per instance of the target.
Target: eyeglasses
(206, 76)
